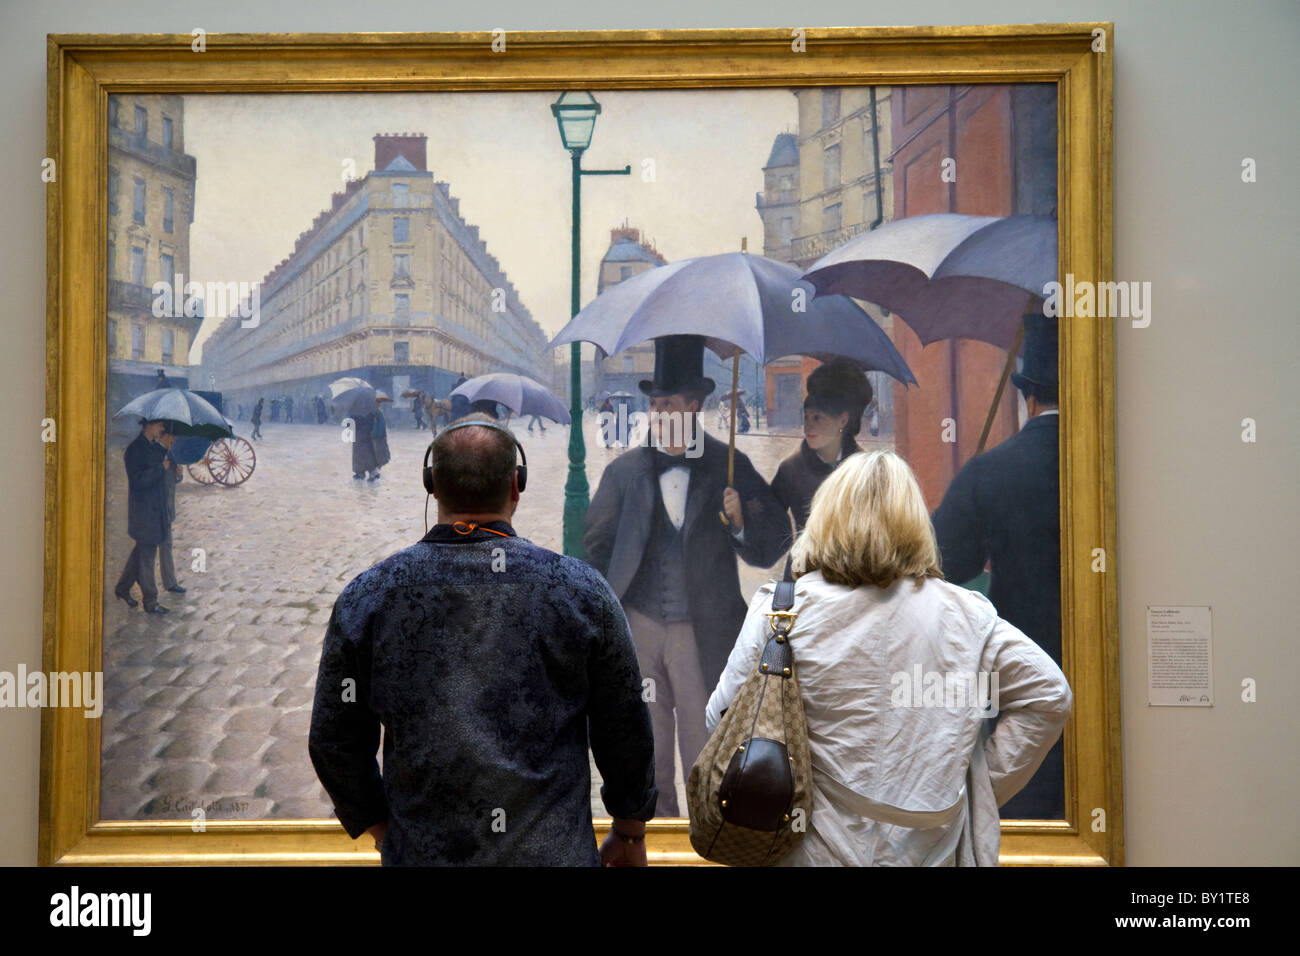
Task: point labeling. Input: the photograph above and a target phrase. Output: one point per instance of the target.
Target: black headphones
(520, 470)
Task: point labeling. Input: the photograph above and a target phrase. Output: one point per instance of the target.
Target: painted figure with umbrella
(520, 394)
(359, 401)
(652, 531)
(163, 414)
(954, 276)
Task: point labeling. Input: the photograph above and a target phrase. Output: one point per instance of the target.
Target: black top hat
(679, 367)
(1040, 353)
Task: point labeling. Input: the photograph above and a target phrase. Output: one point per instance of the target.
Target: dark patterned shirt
(490, 663)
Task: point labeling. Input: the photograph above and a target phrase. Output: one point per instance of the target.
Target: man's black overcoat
(618, 527)
(146, 506)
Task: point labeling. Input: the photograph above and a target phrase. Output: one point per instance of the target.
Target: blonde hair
(868, 525)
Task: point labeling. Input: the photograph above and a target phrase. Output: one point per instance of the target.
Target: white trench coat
(902, 776)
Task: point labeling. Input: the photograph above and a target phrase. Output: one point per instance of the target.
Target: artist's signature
(170, 803)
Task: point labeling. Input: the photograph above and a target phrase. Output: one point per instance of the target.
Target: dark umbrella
(519, 393)
(354, 395)
(736, 300)
(739, 302)
(187, 414)
(950, 276)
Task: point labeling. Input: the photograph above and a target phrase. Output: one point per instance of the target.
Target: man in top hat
(1004, 508)
(654, 531)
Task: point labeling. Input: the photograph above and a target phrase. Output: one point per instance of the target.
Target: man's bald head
(473, 468)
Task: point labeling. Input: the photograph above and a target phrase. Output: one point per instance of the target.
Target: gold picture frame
(83, 70)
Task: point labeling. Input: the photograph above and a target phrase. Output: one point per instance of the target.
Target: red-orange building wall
(958, 377)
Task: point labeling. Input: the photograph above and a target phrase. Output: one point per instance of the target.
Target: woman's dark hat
(679, 367)
(1039, 366)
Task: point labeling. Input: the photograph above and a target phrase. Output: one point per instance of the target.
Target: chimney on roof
(410, 146)
(624, 232)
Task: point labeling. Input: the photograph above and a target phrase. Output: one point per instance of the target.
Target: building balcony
(777, 197)
(139, 145)
(809, 248)
(129, 295)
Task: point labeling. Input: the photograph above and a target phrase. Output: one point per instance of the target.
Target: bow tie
(663, 462)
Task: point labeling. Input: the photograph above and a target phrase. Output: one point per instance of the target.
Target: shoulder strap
(783, 596)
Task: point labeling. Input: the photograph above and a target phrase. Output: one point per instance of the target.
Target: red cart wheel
(231, 460)
(200, 472)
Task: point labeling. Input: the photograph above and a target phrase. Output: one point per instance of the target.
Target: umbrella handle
(731, 438)
(1002, 384)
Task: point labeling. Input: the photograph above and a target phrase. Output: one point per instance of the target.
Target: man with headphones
(491, 664)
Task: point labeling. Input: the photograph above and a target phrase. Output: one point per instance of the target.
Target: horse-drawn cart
(225, 461)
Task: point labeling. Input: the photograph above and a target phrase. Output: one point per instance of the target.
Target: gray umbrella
(188, 414)
(354, 396)
(948, 275)
(519, 393)
(736, 300)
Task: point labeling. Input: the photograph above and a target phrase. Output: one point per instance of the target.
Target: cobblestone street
(209, 706)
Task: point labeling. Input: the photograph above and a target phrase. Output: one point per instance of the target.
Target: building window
(787, 182)
(401, 193)
(401, 229)
(141, 122)
(137, 265)
(629, 362)
(831, 167)
(401, 353)
(624, 272)
(168, 344)
(113, 182)
(831, 218)
(167, 132)
(167, 263)
(401, 309)
(869, 206)
(139, 200)
(830, 107)
(169, 207)
(787, 229)
(137, 341)
(402, 267)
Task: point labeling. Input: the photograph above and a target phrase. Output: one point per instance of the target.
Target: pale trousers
(667, 654)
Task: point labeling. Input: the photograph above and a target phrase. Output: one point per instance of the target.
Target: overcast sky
(267, 165)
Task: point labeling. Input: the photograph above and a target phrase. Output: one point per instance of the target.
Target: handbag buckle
(786, 616)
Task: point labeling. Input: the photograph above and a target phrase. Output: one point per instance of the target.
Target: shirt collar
(462, 531)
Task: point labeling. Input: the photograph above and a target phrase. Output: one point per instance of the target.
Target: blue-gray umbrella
(948, 275)
(354, 396)
(519, 393)
(736, 300)
(188, 414)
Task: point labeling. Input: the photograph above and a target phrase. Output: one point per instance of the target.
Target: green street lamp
(575, 114)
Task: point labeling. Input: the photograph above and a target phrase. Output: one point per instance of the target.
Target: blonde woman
(926, 711)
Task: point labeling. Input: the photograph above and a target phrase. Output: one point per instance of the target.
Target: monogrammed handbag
(750, 791)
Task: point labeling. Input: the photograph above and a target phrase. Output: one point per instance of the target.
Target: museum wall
(1204, 517)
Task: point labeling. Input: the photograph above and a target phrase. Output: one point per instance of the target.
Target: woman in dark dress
(838, 394)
